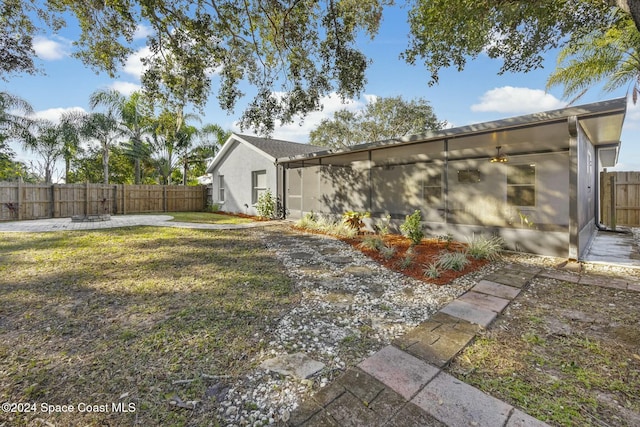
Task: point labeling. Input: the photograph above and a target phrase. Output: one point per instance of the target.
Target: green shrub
(213, 208)
(266, 205)
(482, 247)
(412, 228)
(456, 261)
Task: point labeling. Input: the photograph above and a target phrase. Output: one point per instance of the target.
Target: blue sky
(475, 95)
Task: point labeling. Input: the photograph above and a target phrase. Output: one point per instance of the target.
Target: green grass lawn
(118, 316)
(208, 218)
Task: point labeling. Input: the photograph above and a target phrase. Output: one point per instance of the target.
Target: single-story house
(531, 179)
(245, 167)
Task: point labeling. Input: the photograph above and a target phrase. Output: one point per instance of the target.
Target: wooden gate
(620, 199)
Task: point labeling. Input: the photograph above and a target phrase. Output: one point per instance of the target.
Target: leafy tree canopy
(293, 52)
(386, 118)
(448, 33)
(302, 49)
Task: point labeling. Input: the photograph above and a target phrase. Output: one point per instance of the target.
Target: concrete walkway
(611, 247)
(404, 384)
(65, 224)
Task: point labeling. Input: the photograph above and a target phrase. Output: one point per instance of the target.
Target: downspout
(574, 243)
(370, 196)
(446, 181)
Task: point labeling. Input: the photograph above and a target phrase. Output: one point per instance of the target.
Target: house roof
(601, 121)
(272, 149)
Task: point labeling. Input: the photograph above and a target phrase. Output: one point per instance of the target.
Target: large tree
(294, 52)
(385, 118)
(301, 49)
(448, 33)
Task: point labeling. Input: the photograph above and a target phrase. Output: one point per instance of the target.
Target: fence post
(612, 181)
(19, 198)
(53, 201)
(164, 198)
(124, 199)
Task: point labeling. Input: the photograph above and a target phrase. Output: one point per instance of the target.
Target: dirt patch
(567, 354)
(412, 261)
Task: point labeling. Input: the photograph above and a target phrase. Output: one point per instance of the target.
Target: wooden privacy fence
(34, 201)
(620, 199)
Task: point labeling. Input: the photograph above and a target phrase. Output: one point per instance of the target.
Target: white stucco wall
(237, 167)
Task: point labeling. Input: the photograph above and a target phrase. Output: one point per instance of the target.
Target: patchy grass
(209, 218)
(137, 316)
(566, 354)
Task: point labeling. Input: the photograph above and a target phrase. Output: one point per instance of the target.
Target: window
(521, 185)
(432, 189)
(259, 185)
(469, 176)
(221, 188)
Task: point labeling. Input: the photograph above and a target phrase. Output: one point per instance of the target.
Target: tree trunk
(633, 7)
(105, 163)
(67, 169)
(137, 171)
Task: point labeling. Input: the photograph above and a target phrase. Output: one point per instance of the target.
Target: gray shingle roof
(278, 148)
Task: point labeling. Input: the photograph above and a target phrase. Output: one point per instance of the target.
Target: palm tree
(133, 117)
(70, 132)
(14, 117)
(47, 142)
(170, 139)
(105, 129)
(612, 55)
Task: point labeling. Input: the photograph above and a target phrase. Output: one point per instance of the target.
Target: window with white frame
(221, 188)
(521, 185)
(258, 185)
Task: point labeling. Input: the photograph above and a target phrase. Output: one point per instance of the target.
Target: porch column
(574, 219)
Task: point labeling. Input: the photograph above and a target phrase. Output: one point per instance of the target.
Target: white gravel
(350, 307)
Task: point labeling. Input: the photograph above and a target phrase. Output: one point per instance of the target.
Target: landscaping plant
(456, 261)
(266, 205)
(355, 219)
(412, 227)
(482, 247)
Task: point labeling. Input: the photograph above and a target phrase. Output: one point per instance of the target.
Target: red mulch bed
(424, 254)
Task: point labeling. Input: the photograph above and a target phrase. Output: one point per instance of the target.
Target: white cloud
(522, 100)
(50, 50)
(133, 65)
(125, 88)
(633, 114)
(142, 32)
(299, 131)
(54, 114)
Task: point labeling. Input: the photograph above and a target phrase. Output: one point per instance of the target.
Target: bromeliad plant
(355, 219)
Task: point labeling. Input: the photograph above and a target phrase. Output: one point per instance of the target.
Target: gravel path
(350, 307)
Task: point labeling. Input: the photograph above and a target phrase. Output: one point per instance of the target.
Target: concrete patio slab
(455, 403)
(399, 371)
(496, 289)
(489, 302)
(469, 312)
(611, 247)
